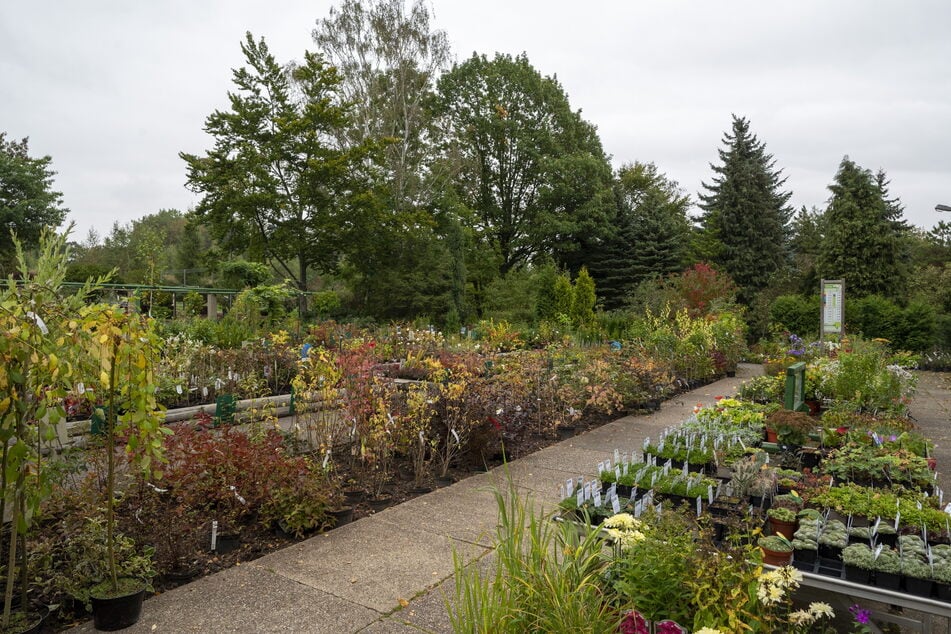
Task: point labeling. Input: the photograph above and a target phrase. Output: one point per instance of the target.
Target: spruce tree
(864, 240)
(746, 216)
(650, 234)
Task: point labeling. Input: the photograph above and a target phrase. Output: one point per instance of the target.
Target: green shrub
(873, 317)
(795, 313)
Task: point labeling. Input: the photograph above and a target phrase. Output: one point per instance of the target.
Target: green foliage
(583, 298)
(650, 233)
(545, 578)
(28, 203)
(262, 306)
(863, 241)
(275, 181)
(745, 212)
(531, 170)
(796, 314)
(243, 274)
(81, 562)
(912, 328)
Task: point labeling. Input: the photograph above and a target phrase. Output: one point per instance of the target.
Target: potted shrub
(39, 354)
(126, 346)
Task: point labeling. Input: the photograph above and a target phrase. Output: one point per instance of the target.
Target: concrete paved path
(389, 572)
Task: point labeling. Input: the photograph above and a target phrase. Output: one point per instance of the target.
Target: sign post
(831, 311)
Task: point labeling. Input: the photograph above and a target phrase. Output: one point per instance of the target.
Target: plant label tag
(767, 458)
(204, 392)
(612, 492)
(81, 387)
(699, 505)
(617, 456)
(600, 467)
(897, 518)
(597, 497)
(710, 493)
(326, 459)
(624, 458)
(627, 467)
(561, 492)
(667, 466)
(647, 443)
(570, 485)
(615, 505)
(579, 497)
(617, 473)
(947, 508)
(878, 520)
(456, 436)
(178, 388)
(607, 464)
(878, 550)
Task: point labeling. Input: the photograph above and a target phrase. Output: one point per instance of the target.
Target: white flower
(820, 609)
(801, 617)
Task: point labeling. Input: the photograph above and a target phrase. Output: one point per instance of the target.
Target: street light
(942, 208)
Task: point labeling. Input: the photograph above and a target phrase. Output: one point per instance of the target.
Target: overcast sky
(114, 90)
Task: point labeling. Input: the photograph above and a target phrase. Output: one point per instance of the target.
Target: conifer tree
(746, 215)
(863, 234)
(651, 233)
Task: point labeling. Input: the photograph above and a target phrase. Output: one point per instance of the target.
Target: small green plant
(858, 555)
(776, 542)
(782, 514)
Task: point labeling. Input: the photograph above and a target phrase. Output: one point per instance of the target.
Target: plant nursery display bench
(847, 593)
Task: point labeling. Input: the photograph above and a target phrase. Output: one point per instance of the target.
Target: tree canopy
(864, 234)
(275, 180)
(746, 215)
(28, 202)
(650, 233)
(531, 170)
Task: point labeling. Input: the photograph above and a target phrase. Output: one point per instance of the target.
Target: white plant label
(617, 473)
(699, 505)
(455, 435)
(570, 485)
(561, 492)
(710, 494)
(178, 388)
(615, 505)
(597, 497)
(81, 387)
(204, 391)
(579, 497)
(617, 456)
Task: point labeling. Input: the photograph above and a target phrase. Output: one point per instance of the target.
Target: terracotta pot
(786, 528)
(776, 557)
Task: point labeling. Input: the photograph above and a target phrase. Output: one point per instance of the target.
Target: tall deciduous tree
(531, 169)
(746, 214)
(276, 177)
(389, 58)
(651, 233)
(28, 203)
(863, 234)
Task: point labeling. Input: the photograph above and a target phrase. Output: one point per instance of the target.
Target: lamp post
(942, 208)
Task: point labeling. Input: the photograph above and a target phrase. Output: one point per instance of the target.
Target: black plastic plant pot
(116, 613)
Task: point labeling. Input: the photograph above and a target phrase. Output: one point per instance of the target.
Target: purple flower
(892, 438)
(861, 616)
(634, 623)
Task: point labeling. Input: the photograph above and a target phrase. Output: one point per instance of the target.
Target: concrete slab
(248, 599)
(463, 512)
(373, 564)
